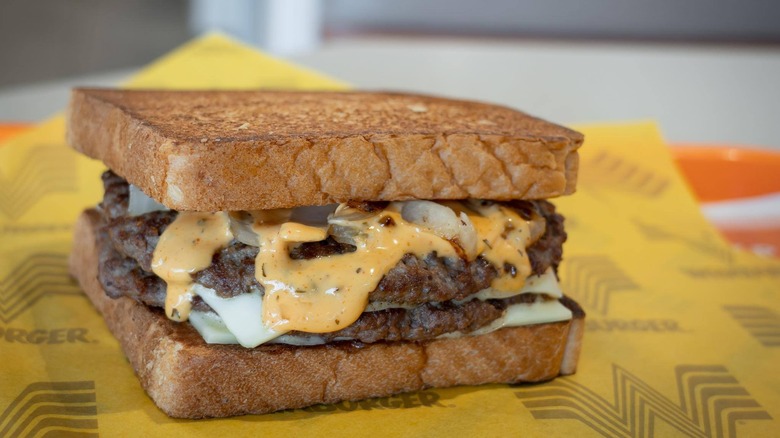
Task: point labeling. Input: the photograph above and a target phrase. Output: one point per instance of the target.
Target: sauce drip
(186, 247)
(327, 294)
(503, 238)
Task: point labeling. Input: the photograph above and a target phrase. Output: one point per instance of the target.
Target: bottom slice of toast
(188, 378)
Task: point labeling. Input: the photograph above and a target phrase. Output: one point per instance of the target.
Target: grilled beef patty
(430, 284)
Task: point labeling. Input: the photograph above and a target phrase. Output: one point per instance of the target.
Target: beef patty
(429, 285)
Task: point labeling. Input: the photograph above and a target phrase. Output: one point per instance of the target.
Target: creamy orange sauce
(293, 232)
(186, 247)
(503, 238)
(329, 293)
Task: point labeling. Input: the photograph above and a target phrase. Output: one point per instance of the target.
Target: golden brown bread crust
(189, 379)
(245, 150)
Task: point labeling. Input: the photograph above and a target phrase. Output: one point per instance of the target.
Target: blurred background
(705, 69)
(48, 39)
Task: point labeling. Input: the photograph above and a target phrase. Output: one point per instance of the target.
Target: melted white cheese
(326, 294)
(546, 283)
(211, 328)
(239, 316)
(539, 312)
(236, 321)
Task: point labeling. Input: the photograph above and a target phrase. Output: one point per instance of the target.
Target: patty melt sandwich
(266, 250)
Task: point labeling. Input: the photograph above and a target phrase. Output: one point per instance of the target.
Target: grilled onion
(346, 223)
(443, 222)
(241, 226)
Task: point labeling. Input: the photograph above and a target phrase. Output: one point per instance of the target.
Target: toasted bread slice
(188, 378)
(248, 150)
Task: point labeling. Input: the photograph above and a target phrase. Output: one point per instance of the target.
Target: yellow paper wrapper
(683, 333)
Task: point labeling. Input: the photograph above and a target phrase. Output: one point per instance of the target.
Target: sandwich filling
(360, 271)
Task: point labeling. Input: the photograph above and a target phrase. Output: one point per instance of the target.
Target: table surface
(698, 93)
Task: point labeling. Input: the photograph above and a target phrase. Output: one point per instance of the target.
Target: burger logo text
(400, 401)
(43, 336)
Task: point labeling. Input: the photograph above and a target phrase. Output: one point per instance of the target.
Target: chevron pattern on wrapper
(592, 279)
(761, 322)
(606, 170)
(711, 403)
(52, 409)
(45, 170)
(35, 276)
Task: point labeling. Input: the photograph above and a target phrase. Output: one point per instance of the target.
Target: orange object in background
(8, 130)
(728, 172)
(739, 189)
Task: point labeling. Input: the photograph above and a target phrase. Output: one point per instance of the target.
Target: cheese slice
(540, 311)
(237, 322)
(327, 294)
(240, 315)
(215, 331)
(546, 283)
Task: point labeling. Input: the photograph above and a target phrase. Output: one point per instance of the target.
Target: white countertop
(711, 94)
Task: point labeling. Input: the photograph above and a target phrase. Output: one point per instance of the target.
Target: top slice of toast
(250, 150)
